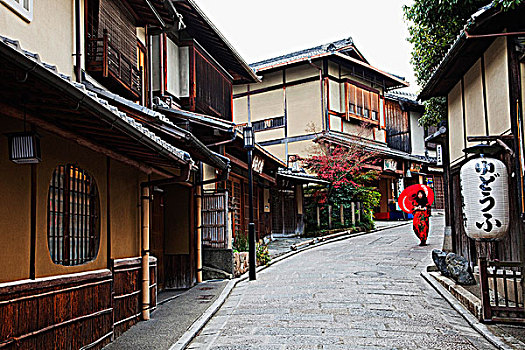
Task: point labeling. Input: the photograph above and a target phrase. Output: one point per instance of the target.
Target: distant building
(331, 94)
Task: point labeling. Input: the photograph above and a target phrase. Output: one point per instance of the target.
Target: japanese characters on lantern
(485, 202)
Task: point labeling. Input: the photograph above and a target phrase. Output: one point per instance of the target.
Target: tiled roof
(314, 51)
(402, 96)
(341, 49)
(182, 155)
(373, 146)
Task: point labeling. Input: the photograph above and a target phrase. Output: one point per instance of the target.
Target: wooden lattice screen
(215, 220)
(73, 228)
(113, 17)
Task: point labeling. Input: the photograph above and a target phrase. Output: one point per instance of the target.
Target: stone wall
(217, 263)
(240, 262)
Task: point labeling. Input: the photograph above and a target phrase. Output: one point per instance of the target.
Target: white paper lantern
(485, 195)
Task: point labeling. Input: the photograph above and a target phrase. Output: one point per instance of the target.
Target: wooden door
(157, 234)
(215, 219)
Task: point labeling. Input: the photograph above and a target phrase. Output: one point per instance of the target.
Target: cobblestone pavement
(361, 293)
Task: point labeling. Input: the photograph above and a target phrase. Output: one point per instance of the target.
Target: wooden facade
(111, 47)
(398, 130)
(484, 89)
(127, 292)
(76, 252)
(73, 311)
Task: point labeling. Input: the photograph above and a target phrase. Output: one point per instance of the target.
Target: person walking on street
(421, 212)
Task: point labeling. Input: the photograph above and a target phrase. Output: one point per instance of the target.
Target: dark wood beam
(13, 112)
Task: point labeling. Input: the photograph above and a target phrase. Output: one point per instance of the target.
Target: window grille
(73, 216)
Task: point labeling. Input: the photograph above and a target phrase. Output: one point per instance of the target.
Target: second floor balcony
(188, 75)
(108, 64)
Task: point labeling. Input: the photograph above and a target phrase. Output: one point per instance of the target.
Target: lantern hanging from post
(249, 139)
(485, 196)
(24, 148)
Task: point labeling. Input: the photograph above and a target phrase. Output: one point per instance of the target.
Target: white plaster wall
(417, 134)
(51, 33)
(455, 124)
(496, 75)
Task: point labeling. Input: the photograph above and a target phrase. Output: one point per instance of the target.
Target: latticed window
(73, 216)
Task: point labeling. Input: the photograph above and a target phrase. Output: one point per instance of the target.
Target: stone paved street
(361, 293)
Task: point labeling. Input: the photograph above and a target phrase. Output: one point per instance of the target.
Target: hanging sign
(390, 164)
(439, 155)
(415, 167)
(257, 164)
(485, 195)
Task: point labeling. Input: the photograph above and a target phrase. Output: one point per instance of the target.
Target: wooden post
(145, 253)
(484, 286)
(342, 214)
(105, 65)
(353, 214)
(318, 217)
(198, 198)
(329, 216)
(358, 211)
(32, 254)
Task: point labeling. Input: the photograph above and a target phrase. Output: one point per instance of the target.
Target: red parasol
(406, 199)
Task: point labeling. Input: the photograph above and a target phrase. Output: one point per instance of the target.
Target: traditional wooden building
(105, 200)
(77, 172)
(331, 94)
(482, 79)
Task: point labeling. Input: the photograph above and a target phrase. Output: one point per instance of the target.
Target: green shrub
(240, 242)
(263, 256)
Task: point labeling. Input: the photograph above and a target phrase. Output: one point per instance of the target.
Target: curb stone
(474, 323)
(199, 324)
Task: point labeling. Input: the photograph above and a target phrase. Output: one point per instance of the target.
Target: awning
(301, 177)
(54, 103)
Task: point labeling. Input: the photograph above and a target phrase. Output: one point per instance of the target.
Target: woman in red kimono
(421, 214)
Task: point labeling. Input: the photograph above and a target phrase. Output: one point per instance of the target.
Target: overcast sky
(265, 29)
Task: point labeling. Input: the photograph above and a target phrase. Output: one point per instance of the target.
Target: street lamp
(249, 144)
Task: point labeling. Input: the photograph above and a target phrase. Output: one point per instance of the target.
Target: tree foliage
(433, 28)
(350, 180)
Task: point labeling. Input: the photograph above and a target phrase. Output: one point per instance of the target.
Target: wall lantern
(249, 137)
(24, 148)
(485, 196)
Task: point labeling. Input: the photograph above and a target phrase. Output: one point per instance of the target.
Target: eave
(66, 108)
(479, 33)
(200, 27)
(391, 82)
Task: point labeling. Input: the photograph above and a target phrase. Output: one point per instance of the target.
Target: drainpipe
(323, 118)
(145, 253)
(78, 53)
(149, 74)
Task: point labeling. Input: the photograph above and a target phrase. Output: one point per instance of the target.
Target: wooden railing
(103, 56)
(502, 290)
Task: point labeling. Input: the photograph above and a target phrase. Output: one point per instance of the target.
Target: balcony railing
(108, 61)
